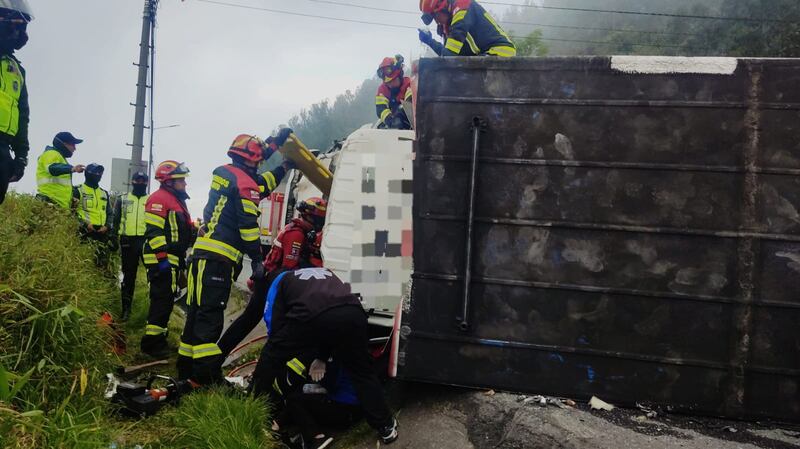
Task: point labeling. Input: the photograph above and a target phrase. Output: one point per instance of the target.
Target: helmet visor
(20, 6)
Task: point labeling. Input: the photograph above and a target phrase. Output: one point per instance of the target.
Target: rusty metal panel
(634, 236)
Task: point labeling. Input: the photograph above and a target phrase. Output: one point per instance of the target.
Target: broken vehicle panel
(636, 233)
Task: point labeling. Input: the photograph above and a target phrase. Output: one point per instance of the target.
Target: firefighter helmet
(314, 206)
(432, 6)
(391, 68)
(169, 170)
(249, 148)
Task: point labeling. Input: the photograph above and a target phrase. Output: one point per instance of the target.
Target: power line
(392, 25)
(638, 13)
(416, 13)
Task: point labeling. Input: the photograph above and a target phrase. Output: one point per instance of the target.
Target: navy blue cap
(140, 176)
(95, 169)
(67, 138)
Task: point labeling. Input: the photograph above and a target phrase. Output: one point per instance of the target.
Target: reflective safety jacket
(168, 229)
(129, 215)
(231, 217)
(293, 248)
(388, 101)
(12, 84)
(269, 180)
(473, 31)
(54, 177)
(93, 205)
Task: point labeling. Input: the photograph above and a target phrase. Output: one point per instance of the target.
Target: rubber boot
(126, 308)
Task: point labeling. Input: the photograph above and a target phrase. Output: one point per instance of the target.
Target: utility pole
(144, 65)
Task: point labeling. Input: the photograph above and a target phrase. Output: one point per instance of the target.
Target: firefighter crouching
(231, 232)
(168, 235)
(296, 246)
(392, 93)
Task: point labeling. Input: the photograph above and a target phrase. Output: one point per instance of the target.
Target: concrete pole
(148, 21)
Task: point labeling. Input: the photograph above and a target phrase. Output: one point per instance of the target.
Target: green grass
(54, 356)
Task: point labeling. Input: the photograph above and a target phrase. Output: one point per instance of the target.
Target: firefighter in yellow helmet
(394, 90)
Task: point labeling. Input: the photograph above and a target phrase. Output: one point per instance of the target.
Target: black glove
(283, 134)
(425, 36)
(259, 272)
(19, 168)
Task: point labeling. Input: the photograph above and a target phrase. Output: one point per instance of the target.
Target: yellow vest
(92, 205)
(57, 188)
(11, 82)
(132, 216)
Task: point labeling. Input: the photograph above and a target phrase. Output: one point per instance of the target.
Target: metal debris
(598, 404)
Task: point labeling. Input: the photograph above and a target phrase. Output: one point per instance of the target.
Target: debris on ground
(598, 404)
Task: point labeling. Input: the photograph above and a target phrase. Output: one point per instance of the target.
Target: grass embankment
(54, 356)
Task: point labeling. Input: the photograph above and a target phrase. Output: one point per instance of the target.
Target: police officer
(296, 246)
(168, 236)
(312, 310)
(14, 111)
(231, 232)
(94, 211)
(129, 224)
(54, 174)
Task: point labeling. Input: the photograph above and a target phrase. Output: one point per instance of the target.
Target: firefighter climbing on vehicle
(394, 91)
(297, 246)
(168, 235)
(467, 29)
(129, 224)
(231, 232)
(14, 111)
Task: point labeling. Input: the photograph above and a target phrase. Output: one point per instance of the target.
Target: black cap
(95, 169)
(67, 138)
(140, 175)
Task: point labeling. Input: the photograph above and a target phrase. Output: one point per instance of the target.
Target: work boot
(389, 433)
(126, 309)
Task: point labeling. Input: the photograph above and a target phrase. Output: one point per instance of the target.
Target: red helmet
(391, 68)
(169, 170)
(314, 207)
(432, 6)
(248, 147)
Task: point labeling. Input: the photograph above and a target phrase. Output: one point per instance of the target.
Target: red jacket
(168, 228)
(388, 102)
(291, 250)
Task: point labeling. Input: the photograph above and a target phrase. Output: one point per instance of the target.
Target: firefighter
(93, 207)
(168, 235)
(392, 93)
(312, 310)
(231, 232)
(467, 29)
(54, 174)
(14, 111)
(129, 225)
(296, 246)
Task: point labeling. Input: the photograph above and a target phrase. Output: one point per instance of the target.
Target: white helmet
(15, 10)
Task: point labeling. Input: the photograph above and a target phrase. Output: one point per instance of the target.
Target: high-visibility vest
(132, 216)
(11, 82)
(92, 204)
(57, 188)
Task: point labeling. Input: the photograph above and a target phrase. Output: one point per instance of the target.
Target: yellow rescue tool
(297, 152)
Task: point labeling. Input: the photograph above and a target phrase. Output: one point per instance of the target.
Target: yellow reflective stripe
(152, 329)
(458, 17)
(269, 178)
(215, 246)
(220, 180)
(249, 235)
(250, 207)
(503, 51)
(386, 112)
(276, 387)
(497, 27)
(381, 100)
(153, 219)
(158, 242)
(473, 45)
(201, 268)
(190, 282)
(173, 226)
(454, 45)
(212, 224)
(205, 350)
(150, 259)
(409, 93)
(174, 260)
(297, 366)
(61, 181)
(185, 350)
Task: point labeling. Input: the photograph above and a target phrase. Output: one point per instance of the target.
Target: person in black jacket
(310, 307)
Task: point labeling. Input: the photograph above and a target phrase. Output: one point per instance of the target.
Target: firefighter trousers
(246, 321)
(130, 249)
(162, 297)
(342, 331)
(199, 357)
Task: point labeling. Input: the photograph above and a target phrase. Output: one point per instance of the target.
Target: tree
(531, 45)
